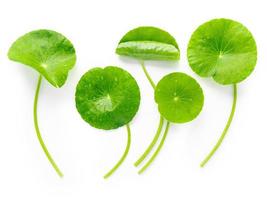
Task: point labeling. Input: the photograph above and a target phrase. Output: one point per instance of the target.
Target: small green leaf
(179, 97)
(223, 49)
(149, 43)
(49, 52)
(107, 98)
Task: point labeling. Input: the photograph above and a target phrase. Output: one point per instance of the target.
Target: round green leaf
(49, 52)
(107, 98)
(179, 97)
(223, 49)
(148, 43)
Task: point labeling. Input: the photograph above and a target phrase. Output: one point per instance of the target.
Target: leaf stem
(157, 150)
(124, 154)
(152, 144)
(204, 162)
(147, 75)
(49, 157)
(156, 137)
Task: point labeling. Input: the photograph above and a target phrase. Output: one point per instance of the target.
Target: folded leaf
(149, 43)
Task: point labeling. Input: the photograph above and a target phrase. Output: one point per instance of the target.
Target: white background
(237, 171)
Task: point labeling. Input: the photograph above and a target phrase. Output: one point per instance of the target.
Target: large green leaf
(148, 43)
(179, 97)
(107, 98)
(49, 52)
(223, 49)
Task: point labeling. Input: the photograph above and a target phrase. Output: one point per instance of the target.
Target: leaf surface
(48, 52)
(179, 97)
(223, 49)
(148, 43)
(107, 98)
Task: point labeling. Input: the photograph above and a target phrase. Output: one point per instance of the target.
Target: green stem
(156, 137)
(49, 157)
(152, 144)
(147, 75)
(123, 156)
(157, 150)
(202, 164)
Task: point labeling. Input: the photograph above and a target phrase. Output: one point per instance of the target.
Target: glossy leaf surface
(107, 98)
(179, 97)
(48, 52)
(223, 49)
(148, 43)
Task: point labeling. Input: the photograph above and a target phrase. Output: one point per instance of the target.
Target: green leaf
(49, 52)
(148, 43)
(107, 98)
(223, 49)
(179, 97)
